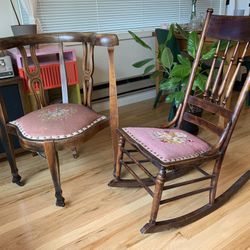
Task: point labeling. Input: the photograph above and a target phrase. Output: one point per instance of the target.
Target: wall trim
(125, 100)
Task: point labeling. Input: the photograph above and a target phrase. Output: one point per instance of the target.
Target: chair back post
(195, 65)
(88, 70)
(110, 41)
(33, 76)
(224, 141)
(113, 105)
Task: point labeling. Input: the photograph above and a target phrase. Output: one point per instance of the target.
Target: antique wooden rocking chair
(54, 127)
(173, 151)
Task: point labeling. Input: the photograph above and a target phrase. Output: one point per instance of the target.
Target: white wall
(7, 18)
(243, 4)
(238, 4)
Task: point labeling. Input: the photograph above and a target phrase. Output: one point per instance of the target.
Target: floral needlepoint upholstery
(57, 121)
(168, 145)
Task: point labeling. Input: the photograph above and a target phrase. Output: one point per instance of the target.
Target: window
(114, 15)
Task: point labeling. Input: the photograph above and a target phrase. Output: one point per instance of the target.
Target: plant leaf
(170, 34)
(139, 40)
(167, 58)
(155, 74)
(209, 54)
(192, 44)
(170, 83)
(170, 98)
(179, 97)
(142, 63)
(200, 82)
(160, 50)
(183, 60)
(148, 69)
(182, 32)
(180, 71)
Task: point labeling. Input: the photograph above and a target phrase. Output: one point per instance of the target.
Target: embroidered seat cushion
(168, 145)
(57, 121)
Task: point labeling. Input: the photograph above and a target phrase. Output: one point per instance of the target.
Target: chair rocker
(64, 125)
(172, 151)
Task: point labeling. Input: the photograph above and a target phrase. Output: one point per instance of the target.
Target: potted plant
(22, 29)
(175, 75)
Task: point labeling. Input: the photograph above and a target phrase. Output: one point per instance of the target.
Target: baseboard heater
(124, 87)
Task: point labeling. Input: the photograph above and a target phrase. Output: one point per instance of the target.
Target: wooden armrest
(106, 40)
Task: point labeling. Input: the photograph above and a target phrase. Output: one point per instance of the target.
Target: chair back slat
(203, 123)
(226, 76)
(231, 84)
(34, 75)
(211, 73)
(88, 70)
(210, 107)
(220, 71)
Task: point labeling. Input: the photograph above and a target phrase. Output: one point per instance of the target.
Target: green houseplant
(175, 73)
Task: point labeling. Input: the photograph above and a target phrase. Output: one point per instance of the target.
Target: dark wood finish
(50, 148)
(210, 107)
(202, 123)
(159, 184)
(199, 213)
(214, 100)
(52, 158)
(221, 28)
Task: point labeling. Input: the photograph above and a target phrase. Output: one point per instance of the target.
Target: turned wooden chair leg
(118, 165)
(53, 162)
(9, 149)
(159, 184)
(214, 180)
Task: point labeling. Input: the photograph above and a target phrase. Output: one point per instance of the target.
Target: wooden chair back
(233, 34)
(88, 40)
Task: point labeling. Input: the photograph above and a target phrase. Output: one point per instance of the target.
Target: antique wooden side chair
(57, 126)
(173, 151)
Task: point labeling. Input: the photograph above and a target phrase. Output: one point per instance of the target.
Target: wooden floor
(100, 217)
